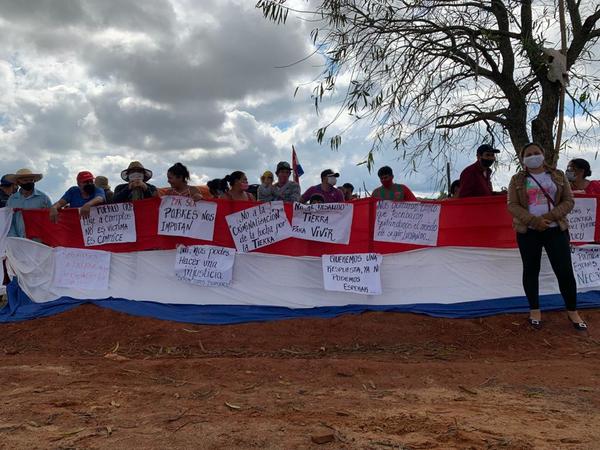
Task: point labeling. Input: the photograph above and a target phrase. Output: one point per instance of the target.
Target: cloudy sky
(94, 84)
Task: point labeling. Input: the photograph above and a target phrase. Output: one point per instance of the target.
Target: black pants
(556, 244)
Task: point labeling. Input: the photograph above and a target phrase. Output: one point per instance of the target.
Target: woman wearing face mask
(238, 185)
(83, 196)
(539, 199)
(577, 172)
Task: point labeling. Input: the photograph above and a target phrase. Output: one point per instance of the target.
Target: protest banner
(357, 273)
(259, 226)
(6, 215)
(407, 222)
(586, 265)
(205, 265)
(323, 222)
(109, 224)
(582, 220)
(81, 269)
(182, 216)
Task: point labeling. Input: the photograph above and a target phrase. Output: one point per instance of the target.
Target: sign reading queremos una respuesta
(357, 273)
(109, 224)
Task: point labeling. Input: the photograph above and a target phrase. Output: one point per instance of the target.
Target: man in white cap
(27, 197)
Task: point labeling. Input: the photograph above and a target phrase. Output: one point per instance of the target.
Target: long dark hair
(217, 186)
(582, 164)
(234, 176)
(180, 171)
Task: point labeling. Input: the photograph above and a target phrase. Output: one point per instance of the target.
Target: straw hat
(24, 173)
(136, 165)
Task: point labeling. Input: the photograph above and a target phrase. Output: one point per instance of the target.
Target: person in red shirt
(390, 190)
(577, 172)
(475, 180)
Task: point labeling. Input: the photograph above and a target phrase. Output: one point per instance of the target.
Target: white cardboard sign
(6, 215)
(182, 216)
(586, 265)
(81, 269)
(582, 220)
(407, 222)
(205, 265)
(355, 273)
(259, 226)
(109, 224)
(323, 222)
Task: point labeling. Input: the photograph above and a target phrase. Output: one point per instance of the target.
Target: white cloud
(94, 84)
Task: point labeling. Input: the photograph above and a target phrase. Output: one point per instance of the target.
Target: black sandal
(580, 326)
(534, 323)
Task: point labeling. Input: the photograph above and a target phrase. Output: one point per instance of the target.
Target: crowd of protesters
(539, 198)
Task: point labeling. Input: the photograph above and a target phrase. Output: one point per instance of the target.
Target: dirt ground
(94, 378)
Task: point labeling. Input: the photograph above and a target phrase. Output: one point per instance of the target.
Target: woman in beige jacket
(539, 199)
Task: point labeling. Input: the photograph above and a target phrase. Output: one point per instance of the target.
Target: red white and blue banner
(453, 258)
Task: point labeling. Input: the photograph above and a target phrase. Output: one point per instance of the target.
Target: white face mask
(533, 161)
(331, 181)
(135, 176)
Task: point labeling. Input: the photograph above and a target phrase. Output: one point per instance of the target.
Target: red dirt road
(93, 378)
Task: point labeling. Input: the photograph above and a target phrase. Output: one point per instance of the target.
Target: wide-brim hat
(136, 165)
(24, 173)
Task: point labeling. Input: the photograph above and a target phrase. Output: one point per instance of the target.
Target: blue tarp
(20, 307)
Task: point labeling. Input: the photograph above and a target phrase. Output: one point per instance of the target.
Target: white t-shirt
(538, 203)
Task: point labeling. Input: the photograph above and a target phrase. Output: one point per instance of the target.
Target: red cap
(84, 176)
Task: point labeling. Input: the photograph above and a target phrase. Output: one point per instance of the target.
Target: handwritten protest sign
(582, 220)
(81, 269)
(323, 222)
(358, 273)
(586, 265)
(407, 222)
(109, 224)
(6, 215)
(205, 265)
(182, 216)
(259, 226)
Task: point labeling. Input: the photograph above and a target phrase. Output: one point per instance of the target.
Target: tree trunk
(542, 127)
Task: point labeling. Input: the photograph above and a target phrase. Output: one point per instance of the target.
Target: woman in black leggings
(539, 199)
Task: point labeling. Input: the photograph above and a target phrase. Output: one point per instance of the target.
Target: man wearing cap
(102, 183)
(476, 179)
(137, 186)
(7, 188)
(27, 197)
(286, 189)
(326, 189)
(83, 196)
